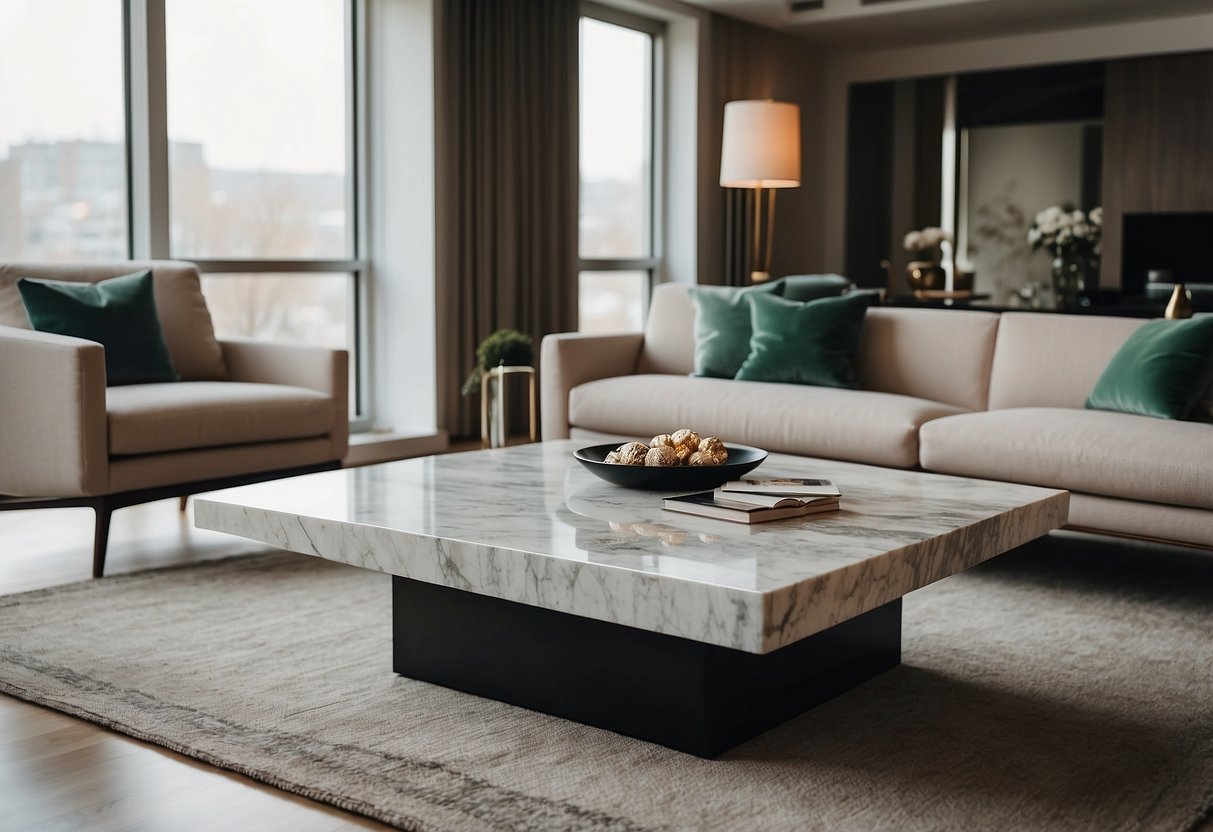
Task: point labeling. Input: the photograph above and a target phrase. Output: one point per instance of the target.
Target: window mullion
(147, 130)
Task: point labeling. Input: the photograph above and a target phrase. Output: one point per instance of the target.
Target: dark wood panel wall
(1158, 143)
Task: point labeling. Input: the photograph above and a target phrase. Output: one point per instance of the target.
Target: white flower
(913, 241)
(1081, 229)
(1097, 215)
(1033, 236)
(1077, 216)
(1064, 236)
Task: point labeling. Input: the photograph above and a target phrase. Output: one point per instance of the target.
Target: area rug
(1064, 686)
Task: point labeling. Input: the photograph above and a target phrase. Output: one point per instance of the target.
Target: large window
(250, 155)
(258, 141)
(62, 130)
(261, 165)
(618, 232)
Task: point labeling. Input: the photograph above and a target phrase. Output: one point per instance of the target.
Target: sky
(261, 84)
(613, 94)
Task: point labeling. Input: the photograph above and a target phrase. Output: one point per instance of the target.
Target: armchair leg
(101, 534)
(183, 501)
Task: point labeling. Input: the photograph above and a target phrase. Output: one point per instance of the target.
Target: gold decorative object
(661, 456)
(923, 275)
(493, 405)
(633, 453)
(1180, 305)
(686, 442)
(681, 448)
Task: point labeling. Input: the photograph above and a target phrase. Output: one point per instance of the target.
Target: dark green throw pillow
(119, 313)
(805, 343)
(1161, 370)
(722, 327)
(806, 287)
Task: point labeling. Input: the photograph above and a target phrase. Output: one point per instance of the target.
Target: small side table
(493, 405)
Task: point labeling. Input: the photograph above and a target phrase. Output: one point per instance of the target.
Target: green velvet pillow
(805, 343)
(1161, 370)
(806, 287)
(722, 327)
(119, 313)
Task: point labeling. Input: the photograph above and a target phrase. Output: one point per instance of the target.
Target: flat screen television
(1179, 243)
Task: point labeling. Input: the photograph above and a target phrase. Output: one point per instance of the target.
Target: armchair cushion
(119, 314)
(184, 318)
(154, 418)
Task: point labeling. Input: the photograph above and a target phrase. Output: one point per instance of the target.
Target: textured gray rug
(1065, 686)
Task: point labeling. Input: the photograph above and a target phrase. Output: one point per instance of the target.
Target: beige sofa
(243, 411)
(957, 392)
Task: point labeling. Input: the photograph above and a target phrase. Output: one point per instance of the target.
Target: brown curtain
(506, 147)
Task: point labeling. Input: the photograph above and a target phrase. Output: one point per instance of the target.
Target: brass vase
(924, 274)
(1180, 305)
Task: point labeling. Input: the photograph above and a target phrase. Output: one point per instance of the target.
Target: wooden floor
(60, 773)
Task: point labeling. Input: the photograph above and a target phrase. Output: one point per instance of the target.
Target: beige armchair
(242, 412)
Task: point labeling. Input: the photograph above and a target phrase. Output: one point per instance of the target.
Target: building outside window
(63, 193)
(619, 233)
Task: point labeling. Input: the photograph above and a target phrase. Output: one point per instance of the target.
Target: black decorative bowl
(742, 460)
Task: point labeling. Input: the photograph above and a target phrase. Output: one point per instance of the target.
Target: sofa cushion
(119, 313)
(942, 355)
(1162, 370)
(184, 318)
(1096, 452)
(1043, 360)
(722, 327)
(805, 343)
(876, 428)
(153, 418)
(806, 287)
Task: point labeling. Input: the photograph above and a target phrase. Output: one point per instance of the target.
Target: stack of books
(760, 500)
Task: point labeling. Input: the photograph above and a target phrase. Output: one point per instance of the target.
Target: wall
(1172, 35)
(1158, 143)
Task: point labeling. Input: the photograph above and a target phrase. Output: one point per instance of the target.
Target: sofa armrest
(52, 415)
(572, 358)
(316, 368)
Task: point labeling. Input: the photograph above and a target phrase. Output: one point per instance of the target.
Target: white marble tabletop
(529, 524)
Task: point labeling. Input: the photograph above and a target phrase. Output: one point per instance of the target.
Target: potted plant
(507, 347)
(1072, 237)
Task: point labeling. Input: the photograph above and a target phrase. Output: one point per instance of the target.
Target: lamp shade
(761, 145)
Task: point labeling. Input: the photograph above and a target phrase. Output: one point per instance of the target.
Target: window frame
(148, 175)
(653, 265)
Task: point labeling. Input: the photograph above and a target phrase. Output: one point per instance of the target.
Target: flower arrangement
(505, 346)
(927, 244)
(1064, 230)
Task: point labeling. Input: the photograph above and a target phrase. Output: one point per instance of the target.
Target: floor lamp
(761, 150)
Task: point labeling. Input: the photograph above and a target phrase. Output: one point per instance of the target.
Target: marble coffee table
(521, 577)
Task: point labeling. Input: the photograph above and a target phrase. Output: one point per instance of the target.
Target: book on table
(789, 486)
(749, 508)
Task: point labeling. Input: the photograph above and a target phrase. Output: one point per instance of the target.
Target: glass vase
(1074, 277)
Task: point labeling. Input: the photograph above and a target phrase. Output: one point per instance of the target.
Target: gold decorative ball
(661, 456)
(633, 453)
(686, 442)
(714, 449)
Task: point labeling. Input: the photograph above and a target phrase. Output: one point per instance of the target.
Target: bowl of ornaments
(678, 461)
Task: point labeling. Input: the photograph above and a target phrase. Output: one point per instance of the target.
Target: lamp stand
(761, 271)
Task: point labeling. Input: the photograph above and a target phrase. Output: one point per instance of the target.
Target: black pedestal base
(694, 697)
